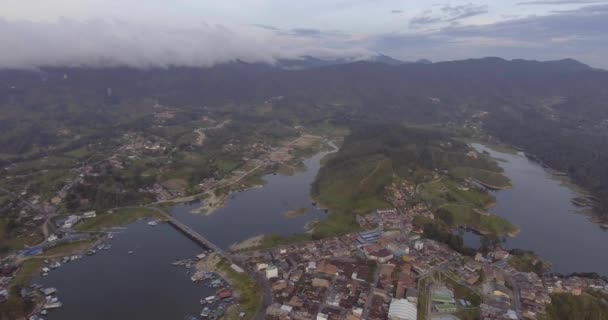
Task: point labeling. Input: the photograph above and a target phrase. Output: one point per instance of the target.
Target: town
(391, 272)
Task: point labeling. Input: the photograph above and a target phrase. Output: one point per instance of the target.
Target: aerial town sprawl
(390, 272)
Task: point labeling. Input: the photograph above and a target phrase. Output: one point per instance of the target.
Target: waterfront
(114, 284)
(261, 210)
(550, 224)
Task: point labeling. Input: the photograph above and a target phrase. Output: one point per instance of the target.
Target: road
(371, 293)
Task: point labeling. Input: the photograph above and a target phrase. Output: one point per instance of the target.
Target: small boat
(131, 252)
(153, 223)
(53, 305)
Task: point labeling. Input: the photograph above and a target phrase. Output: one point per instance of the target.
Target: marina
(131, 276)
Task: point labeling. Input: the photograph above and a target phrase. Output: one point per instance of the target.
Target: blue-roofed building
(368, 237)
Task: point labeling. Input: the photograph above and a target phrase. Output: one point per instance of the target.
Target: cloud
(559, 2)
(579, 33)
(112, 43)
(449, 14)
(574, 33)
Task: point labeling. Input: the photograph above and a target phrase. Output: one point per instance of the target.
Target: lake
(541, 207)
(114, 284)
(259, 211)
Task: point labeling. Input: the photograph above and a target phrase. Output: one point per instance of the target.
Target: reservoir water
(541, 207)
(259, 211)
(114, 284)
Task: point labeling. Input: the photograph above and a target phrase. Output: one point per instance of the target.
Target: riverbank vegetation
(528, 261)
(565, 306)
(15, 307)
(68, 248)
(117, 218)
(250, 294)
(491, 179)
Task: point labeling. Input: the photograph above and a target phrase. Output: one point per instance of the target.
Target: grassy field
(357, 190)
(463, 216)
(28, 270)
(117, 218)
(495, 180)
(250, 300)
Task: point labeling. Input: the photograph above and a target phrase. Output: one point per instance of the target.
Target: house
(322, 316)
(272, 272)
(261, 266)
(319, 282)
(89, 214)
(472, 266)
(224, 293)
(71, 221)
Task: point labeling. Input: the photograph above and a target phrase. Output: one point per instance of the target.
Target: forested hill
(556, 110)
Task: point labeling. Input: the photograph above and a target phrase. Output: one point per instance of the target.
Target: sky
(159, 33)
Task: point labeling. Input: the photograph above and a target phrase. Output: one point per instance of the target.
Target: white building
(89, 214)
(261, 266)
(401, 309)
(272, 272)
(71, 221)
(322, 316)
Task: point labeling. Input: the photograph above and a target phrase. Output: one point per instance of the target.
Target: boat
(49, 291)
(130, 252)
(52, 305)
(152, 223)
(201, 276)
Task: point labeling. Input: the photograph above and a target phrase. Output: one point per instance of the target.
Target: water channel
(551, 225)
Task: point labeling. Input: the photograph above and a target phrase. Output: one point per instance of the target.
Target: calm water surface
(114, 284)
(550, 226)
(259, 211)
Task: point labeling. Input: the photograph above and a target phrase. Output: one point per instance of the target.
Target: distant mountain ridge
(306, 62)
